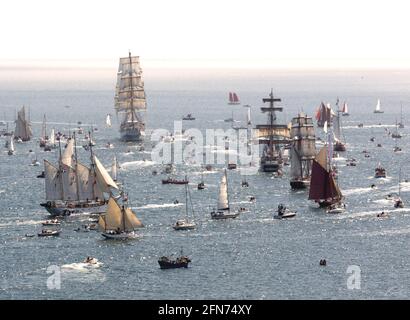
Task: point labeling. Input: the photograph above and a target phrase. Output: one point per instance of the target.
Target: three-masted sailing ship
(272, 135)
(324, 114)
(323, 187)
(302, 152)
(72, 187)
(119, 222)
(130, 99)
(223, 210)
(23, 126)
(233, 98)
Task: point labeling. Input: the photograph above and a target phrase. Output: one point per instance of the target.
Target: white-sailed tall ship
(130, 99)
(71, 187)
(23, 127)
(302, 152)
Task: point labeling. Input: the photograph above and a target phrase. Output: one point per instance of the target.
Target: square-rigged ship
(272, 135)
(302, 152)
(130, 99)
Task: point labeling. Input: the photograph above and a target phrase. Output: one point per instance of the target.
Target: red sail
(322, 184)
(230, 97)
(235, 97)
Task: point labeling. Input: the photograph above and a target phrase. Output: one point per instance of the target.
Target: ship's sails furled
(23, 126)
(223, 202)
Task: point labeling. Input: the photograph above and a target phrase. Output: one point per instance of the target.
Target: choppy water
(252, 257)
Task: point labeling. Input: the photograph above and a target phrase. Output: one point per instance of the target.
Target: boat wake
(138, 163)
(20, 223)
(81, 266)
(356, 191)
(157, 206)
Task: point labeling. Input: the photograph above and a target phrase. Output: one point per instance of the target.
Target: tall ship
(323, 187)
(129, 99)
(324, 114)
(337, 133)
(302, 152)
(23, 126)
(272, 136)
(72, 187)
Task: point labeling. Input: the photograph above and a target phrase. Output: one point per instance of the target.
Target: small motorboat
(223, 214)
(169, 263)
(49, 233)
(188, 117)
(208, 167)
(29, 235)
(336, 208)
(184, 224)
(35, 163)
(379, 145)
(232, 166)
(201, 185)
(80, 130)
(252, 199)
(245, 183)
(382, 215)
(283, 212)
(397, 149)
(41, 175)
(360, 125)
(322, 262)
(174, 181)
(372, 139)
(53, 222)
(109, 145)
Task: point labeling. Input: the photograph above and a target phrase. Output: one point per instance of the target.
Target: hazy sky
(211, 33)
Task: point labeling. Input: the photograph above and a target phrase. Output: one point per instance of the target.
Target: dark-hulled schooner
(130, 99)
(324, 114)
(272, 135)
(303, 150)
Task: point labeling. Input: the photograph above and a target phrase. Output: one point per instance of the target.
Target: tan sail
(113, 216)
(131, 220)
(23, 126)
(101, 223)
(321, 157)
(103, 178)
(67, 157)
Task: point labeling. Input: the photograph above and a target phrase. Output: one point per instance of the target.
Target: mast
(92, 164)
(131, 88)
(186, 198)
(76, 167)
(60, 170)
(227, 193)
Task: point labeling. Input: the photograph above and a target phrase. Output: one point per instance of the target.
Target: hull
(378, 111)
(172, 265)
(174, 182)
(131, 134)
(339, 147)
(120, 236)
(66, 211)
(270, 166)
(285, 216)
(220, 215)
(185, 227)
(299, 184)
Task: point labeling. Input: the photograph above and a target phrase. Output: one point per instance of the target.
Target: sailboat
(11, 150)
(130, 99)
(23, 130)
(119, 222)
(401, 123)
(71, 187)
(51, 142)
(337, 133)
(108, 120)
(248, 122)
(345, 111)
(378, 108)
(396, 134)
(324, 114)
(201, 185)
(272, 135)
(223, 210)
(44, 137)
(233, 98)
(323, 187)
(398, 202)
(114, 168)
(35, 162)
(186, 224)
(302, 152)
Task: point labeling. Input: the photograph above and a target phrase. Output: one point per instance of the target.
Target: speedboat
(184, 224)
(90, 260)
(336, 208)
(398, 203)
(53, 222)
(49, 233)
(201, 185)
(283, 212)
(380, 172)
(188, 117)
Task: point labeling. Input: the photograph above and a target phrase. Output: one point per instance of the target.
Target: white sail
(11, 144)
(223, 202)
(378, 105)
(85, 182)
(54, 189)
(248, 116)
(104, 180)
(52, 138)
(114, 169)
(69, 181)
(44, 128)
(336, 127)
(108, 121)
(67, 157)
